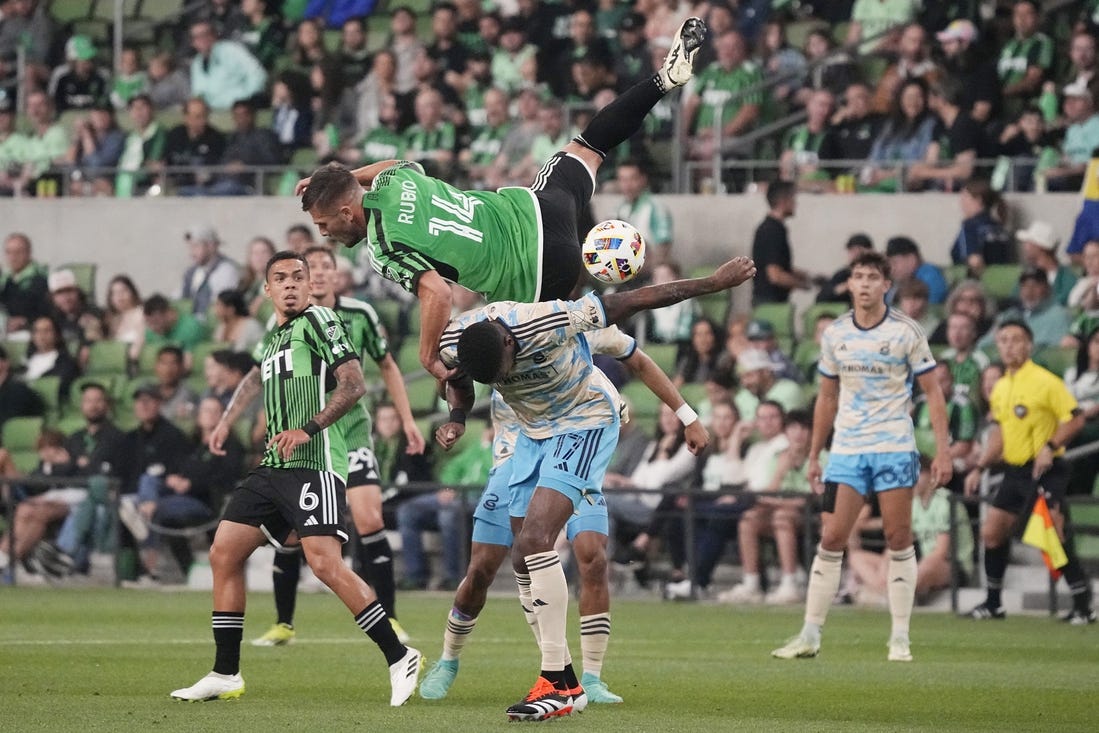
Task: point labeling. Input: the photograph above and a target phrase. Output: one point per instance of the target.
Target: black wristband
(311, 428)
(458, 416)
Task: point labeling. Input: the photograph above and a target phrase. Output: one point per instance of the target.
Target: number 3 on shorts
(308, 500)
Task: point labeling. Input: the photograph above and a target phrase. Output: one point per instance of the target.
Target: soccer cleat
(797, 648)
(402, 635)
(579, 697)
(544, 701)
(213, 686)
(132, 519)
(439, 679)
(678, 65)
(53, 561)
(899, 649)
(277, 635)
(1079, 618)
(741, 593)
(677, 590)
(597, 691)
(403, 676)
(985, 612)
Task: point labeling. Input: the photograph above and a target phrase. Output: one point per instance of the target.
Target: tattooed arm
(620, 306)
(350, 388)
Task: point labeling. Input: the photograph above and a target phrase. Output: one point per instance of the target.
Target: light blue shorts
(572, 464)
(492, 524)
(873, 472)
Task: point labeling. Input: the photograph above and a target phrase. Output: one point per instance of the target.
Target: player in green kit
(518, 244)
(373, 556)
(310, 376)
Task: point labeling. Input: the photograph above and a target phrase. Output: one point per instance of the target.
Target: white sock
(788, 581)
(902, 588)
(550, 602)
(595, 634)
(750, 581)
(522, 580)
(458, 629)
(824, 581)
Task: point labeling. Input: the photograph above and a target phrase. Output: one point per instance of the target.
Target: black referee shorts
(563, 188)
(281, 500)
(1019, 489)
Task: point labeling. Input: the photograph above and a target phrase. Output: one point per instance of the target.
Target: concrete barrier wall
(144, 237)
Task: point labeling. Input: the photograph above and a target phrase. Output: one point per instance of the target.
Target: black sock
(570, 676)
(995, 565)
(556, 677)
(375, 560)
(284, 577)
(620, 119)
(228, 630)
(375, 623)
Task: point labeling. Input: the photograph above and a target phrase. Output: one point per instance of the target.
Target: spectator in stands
(760, 335)
(475, 29)
(168, 86)
(1081, 138)
(372, 90)
(223, 370)
(79, 83)
(405, 46)
(260, 250)
(800, 158)
(262, 33)
(235, 325)
(782, 65)
(226, 18)
(829, 68)
(177, 400)
(963, 418)
(1085, 293)
(515, 60)
(911, 300)
(1026, 60)
(472, 84)
(855, 128)
(511, 165)
(307, 48)
(672, 324)
(97, 145)
(651, 218)
(720, 90)
(445, 46)
(12, 144)
(292, 111)
(1082, 380)
(758, 384)
(223, 71)
(552, 135)
(81, 322)
(164, 325)
(907, 262)
(432, 140)
(701, 358)
(968, 297)
(210, 273)
(47, 356)
(47, 141)
(247, 145)
(396, 466)
(27, 24)
(913, 62)
(142, 150)
(1040, 252)
(582, 42)
(130, 80)
(16, 398)
(961, 143)
(299, 238)
(334, 103)
(877, 26)
(835, 290)
(125, 317)
(976, 76)
(483, 151)
(982, 240)
(23, 286)
(965, 360)
(776, 276)
(1025, 141)
(384, 141)
(908, 136)
(353, 54)
(193, 143)
(633, 60)
(1038, 309)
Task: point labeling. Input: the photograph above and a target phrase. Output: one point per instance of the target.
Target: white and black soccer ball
(613, 251)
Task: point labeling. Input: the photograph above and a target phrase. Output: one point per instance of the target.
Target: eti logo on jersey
(278, 364)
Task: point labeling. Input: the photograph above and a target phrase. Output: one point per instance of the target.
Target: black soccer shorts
(362, 468)
(282, 500)
(1019, 489)
(563, 188)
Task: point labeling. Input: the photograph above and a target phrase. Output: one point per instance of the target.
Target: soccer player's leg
(285, 574)
(847, 482)
(588, 532)
(1055, 485)
(895, 475)
(1012, 497)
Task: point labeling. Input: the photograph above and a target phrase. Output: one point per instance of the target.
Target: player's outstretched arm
(648, 371)
(435, 303)
(394, 385)
(247, 391)
(621, 306)
(364, 175)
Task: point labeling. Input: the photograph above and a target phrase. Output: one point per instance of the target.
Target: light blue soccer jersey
(875, 367)
(607, 341)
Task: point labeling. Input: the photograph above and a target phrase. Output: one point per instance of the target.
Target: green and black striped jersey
(297, 366)
(367, 339)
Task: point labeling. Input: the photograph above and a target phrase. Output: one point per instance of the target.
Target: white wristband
(686, 415)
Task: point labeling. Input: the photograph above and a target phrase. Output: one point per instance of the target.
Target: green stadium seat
(1000, 281)
(799, 30)
(109, 382)
(805, 356)
(49, 389)
(160, 11)
(663, 355)
(146, 360)
(107, 357)
(21, 433)
(1055, 358)
(66, 11)
(17, 353)
(644, 405)
(955, 274)
(693, 394)
(408, 360)
(423, 395)
(813, 312)
(104, 9)
(715, 307)
(780, 316)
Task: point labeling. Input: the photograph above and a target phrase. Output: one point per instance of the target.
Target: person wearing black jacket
(16, 398)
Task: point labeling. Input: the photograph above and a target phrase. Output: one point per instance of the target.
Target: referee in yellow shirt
(1034, 417)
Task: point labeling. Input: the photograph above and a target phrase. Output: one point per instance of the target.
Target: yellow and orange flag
(1041, 533)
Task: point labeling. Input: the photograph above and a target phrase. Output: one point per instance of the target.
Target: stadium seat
(805, 356)
(780, 316)
(160, 11)
(20, 438)
(109, 382)
(955, 274)
(813, 312)
(1000, 281)
(798, 30)
(1055, 358)
(104, 9)
(408, 360)
(49, 389)
(17, 353)
(663, 355)
(107, 357)
(66, 11)
(644, 405)
(146, 360)
(423, 394)
(84, 272)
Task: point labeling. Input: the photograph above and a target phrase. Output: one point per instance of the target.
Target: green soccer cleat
(597, 689)
(797, 648)
(277, 635)
(438, 681)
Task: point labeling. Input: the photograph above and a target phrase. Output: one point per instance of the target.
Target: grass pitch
(105, 660)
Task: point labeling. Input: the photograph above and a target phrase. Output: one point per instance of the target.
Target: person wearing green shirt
(725, 100)
(143, 148)
(12, 148)
(875, 24)
(432, 140)
(758, 383)
(800, 157)
(638, 207)
(488, 139)
(519, 244)
(1025, 60)
(47, 142)
(164, 324)
(962, 416)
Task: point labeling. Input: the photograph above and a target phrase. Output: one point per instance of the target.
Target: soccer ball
(613, 251)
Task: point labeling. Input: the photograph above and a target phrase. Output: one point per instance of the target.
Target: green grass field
(105, 660)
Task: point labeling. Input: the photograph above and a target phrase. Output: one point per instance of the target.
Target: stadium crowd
(480, 98)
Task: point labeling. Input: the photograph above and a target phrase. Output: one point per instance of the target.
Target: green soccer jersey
(1019, 55)
(489, 242)
(725, 92)
(381, 143)
(364, 332)
(297, 364)
(487, 144)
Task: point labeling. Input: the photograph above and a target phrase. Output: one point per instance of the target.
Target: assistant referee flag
(1041, 533)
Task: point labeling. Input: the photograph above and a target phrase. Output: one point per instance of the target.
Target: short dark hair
(140, 97)
(320, 249)
(860, 240)
(902, 246)
(279, 257)
(155, 304)
(298, 229)
(876, 260)
(775, 404)
(327, 186)
(1017, 323)
(481, 351)
(779, 191)
(234, 299)
(913, 288)
(170, 349)
(800, 416)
